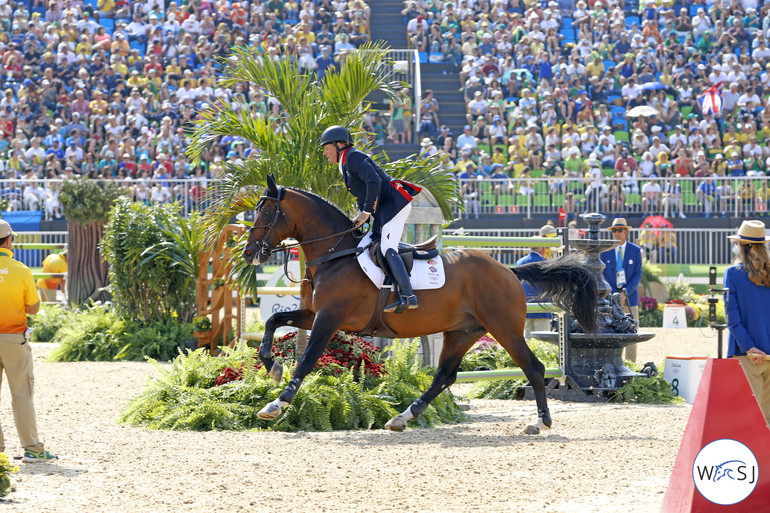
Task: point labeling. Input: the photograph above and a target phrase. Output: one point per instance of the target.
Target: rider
(379, 196)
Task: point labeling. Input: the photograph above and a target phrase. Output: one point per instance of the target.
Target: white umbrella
(642, 110)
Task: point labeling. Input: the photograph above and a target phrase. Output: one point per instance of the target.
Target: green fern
(182, 396)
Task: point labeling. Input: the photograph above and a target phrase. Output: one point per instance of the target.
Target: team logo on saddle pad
(426, 274)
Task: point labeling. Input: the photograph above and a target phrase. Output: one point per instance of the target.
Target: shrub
(99, 334)
(185, 395)
(47, 322)
(153, 254)
(654, 390)
(680, 290)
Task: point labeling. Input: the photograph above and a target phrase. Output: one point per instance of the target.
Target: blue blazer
(529, 290)
(632, 265)
(746, 306)
(375, 191)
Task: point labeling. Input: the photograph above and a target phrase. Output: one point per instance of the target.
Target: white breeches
(393, 229)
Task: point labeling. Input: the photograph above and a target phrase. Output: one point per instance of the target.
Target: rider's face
(330, 152)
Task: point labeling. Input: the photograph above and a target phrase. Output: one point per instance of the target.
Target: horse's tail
(566, 283)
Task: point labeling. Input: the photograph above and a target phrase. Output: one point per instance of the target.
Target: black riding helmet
(335, 133)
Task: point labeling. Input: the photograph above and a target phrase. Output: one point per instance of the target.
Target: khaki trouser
(16, 361)
(758, 375)
(631, 348)
(47, 295)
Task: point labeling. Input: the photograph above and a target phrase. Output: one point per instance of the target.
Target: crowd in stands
(111, 88)
(550, 87)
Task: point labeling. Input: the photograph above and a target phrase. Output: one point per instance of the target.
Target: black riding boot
(398, 270)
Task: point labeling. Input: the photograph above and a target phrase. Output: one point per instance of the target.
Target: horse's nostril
(247, 252)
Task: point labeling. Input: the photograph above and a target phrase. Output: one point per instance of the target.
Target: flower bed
(349, 389)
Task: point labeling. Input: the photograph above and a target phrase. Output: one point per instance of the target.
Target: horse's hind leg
(534, 370)
(456, 344)
(296, 318)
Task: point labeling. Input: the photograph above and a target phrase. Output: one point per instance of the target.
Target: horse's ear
(272, 187)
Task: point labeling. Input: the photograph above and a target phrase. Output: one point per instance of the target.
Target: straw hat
(5, 229)
(619, 222)
(548, 231)
(751, 232)
(426, 142)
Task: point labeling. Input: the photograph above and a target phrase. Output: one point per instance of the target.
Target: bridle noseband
(264, 247)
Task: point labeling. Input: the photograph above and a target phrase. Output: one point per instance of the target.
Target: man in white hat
(536, 321)
(748, 284)
(18, 298)
(623, 271)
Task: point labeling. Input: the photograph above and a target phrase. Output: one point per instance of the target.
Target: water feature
(594, 361)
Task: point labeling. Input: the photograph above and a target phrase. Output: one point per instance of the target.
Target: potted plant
(201, 324)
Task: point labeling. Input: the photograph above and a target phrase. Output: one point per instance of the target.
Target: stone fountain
(594, 362)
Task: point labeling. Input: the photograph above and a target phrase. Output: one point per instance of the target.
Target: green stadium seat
(621, 136)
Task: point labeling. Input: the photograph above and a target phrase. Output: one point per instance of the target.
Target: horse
(480, 296)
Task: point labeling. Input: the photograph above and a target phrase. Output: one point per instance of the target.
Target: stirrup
(403, 303)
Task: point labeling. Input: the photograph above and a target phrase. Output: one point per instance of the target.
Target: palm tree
(308, 106)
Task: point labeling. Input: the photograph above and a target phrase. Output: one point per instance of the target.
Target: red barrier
(724, 408)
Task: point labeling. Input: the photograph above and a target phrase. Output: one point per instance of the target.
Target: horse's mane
(334, 209)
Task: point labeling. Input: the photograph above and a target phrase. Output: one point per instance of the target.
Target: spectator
(623, 271)
(747, 283)
(536, 321)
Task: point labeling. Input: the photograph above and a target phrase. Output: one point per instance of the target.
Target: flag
(711, 100)
(562, 215)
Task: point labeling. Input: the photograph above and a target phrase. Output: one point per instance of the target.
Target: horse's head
(270, 224)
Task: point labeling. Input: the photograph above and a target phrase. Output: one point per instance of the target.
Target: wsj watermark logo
(725, 471)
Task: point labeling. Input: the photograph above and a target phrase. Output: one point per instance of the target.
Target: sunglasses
(615, 230)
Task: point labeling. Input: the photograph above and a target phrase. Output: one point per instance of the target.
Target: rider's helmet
(336, 133)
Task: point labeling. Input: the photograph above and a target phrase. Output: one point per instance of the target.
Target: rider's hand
(361, 218)
(756, 355)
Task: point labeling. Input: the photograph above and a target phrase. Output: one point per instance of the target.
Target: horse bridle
(264, 246)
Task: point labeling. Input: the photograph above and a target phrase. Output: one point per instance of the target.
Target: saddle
(408, 253)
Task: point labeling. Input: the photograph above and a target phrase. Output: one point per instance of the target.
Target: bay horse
(480, 295)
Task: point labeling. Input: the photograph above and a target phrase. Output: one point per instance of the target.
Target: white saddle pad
(426, 274)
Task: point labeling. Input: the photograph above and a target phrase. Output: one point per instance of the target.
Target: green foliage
(654, 390)
(46, 323)
(153, 254)
(650, 318)
(488, 354)
(99, 334)
(202, 323)
(182, 395)
(86, 201)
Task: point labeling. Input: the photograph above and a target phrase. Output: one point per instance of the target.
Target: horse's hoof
(276, 372)
(397, 424)
(270, 411)
(536, 428)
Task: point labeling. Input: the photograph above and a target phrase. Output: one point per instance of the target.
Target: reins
(265, 249)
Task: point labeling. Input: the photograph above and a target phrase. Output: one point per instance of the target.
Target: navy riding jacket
(376, 192)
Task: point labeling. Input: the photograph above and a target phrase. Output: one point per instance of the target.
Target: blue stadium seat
(423, 57)
(136, 45)
(566, 22)
(92, 3)
(108, 24)
(694, 9)
(609, 64)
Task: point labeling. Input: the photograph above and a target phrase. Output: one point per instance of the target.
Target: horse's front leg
(296, 318)
(324, 327)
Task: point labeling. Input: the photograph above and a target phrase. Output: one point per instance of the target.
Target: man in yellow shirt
(48, 286)
(18, 297)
